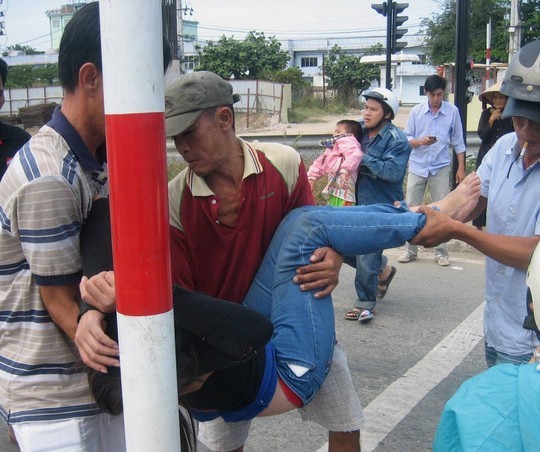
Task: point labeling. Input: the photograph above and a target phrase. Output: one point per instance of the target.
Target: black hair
(352, 126)
(81, 44)
(3, 71)
(106, 388)
(434, 82)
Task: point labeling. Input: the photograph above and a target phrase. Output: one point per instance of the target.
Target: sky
(27, 24)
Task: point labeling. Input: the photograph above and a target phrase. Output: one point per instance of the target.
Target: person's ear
(90, 77)
(224, 117)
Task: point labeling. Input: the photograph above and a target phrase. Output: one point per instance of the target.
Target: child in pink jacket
(339, 162)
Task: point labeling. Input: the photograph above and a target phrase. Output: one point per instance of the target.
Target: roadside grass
(310, 109)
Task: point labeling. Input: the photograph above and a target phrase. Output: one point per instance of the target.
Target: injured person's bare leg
(461, 201)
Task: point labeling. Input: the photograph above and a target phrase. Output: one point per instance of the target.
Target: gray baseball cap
(190, 95)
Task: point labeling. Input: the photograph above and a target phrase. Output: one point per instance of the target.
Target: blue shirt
(383, 167)
(513, 195)
(445, 125)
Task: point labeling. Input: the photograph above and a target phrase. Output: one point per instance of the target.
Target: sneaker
(406, 257)
(442, 261)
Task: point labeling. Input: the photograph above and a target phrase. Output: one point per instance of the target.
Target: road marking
(391, 406)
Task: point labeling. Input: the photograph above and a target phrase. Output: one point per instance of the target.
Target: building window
(190, 62)
(309, 62)
(421, 91)
(56, 23)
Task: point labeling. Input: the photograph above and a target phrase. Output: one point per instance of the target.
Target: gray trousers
(439, 187)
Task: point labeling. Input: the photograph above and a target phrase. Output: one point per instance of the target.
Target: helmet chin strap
(379, 124)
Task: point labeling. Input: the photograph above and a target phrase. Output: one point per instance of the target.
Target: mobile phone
(432, 138)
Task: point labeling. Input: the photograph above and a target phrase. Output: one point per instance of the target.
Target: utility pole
(168, 18)
(460, 88)
(514, 30)
(488, 53)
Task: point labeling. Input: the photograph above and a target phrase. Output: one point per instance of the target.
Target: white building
(408, 69)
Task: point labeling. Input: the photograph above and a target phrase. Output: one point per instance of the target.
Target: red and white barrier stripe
(131, 34)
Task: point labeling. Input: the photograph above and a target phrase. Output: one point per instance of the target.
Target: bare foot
(459, 203)
(385, 273)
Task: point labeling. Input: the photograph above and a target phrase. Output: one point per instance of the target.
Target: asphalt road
(406, 363)
(423, 343)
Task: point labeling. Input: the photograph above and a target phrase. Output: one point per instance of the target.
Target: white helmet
(384, 96)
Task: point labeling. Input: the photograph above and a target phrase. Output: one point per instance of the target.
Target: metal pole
(323, 83)
(134, 104)
(462, 50)
(389, 25)
(514, 30)
(488, 53)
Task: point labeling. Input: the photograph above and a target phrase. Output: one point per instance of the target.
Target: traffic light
(397, 21)
(381, 8)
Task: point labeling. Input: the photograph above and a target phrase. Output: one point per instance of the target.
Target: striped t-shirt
(45, 196)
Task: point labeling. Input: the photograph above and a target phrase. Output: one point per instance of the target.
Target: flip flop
(353, 314)
(366, 314)
(383, 286)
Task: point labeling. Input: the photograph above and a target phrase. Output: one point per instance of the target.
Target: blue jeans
(368, 267)
(304, 331)
(494, 357)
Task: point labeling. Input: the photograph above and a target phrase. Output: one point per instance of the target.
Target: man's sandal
(383, 286)
(360, 315)
(366, 314)
(353, 314)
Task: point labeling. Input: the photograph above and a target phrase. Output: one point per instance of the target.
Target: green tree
(292, 75)
(530, 21)
(247, 59)
(441, 31)
(345, 74)
(26, 76)
(26, 49)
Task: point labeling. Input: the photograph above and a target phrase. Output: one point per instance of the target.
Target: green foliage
(26, 49)
(441, 29)
(310, 108)
(26, 76)
(248, 59)
(348, 76)
(292, 75)
(530, 21)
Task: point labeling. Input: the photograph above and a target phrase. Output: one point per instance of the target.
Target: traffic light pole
(389, 28)
(460, 87)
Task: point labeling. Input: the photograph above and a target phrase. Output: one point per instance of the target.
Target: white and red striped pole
(131, 34)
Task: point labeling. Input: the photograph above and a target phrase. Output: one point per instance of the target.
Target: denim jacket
(383, 167)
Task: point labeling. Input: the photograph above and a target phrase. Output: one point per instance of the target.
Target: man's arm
(423, 141)
(460, 173)
(97, 350)
(62, 306)
(457, 141)
(512, 251)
